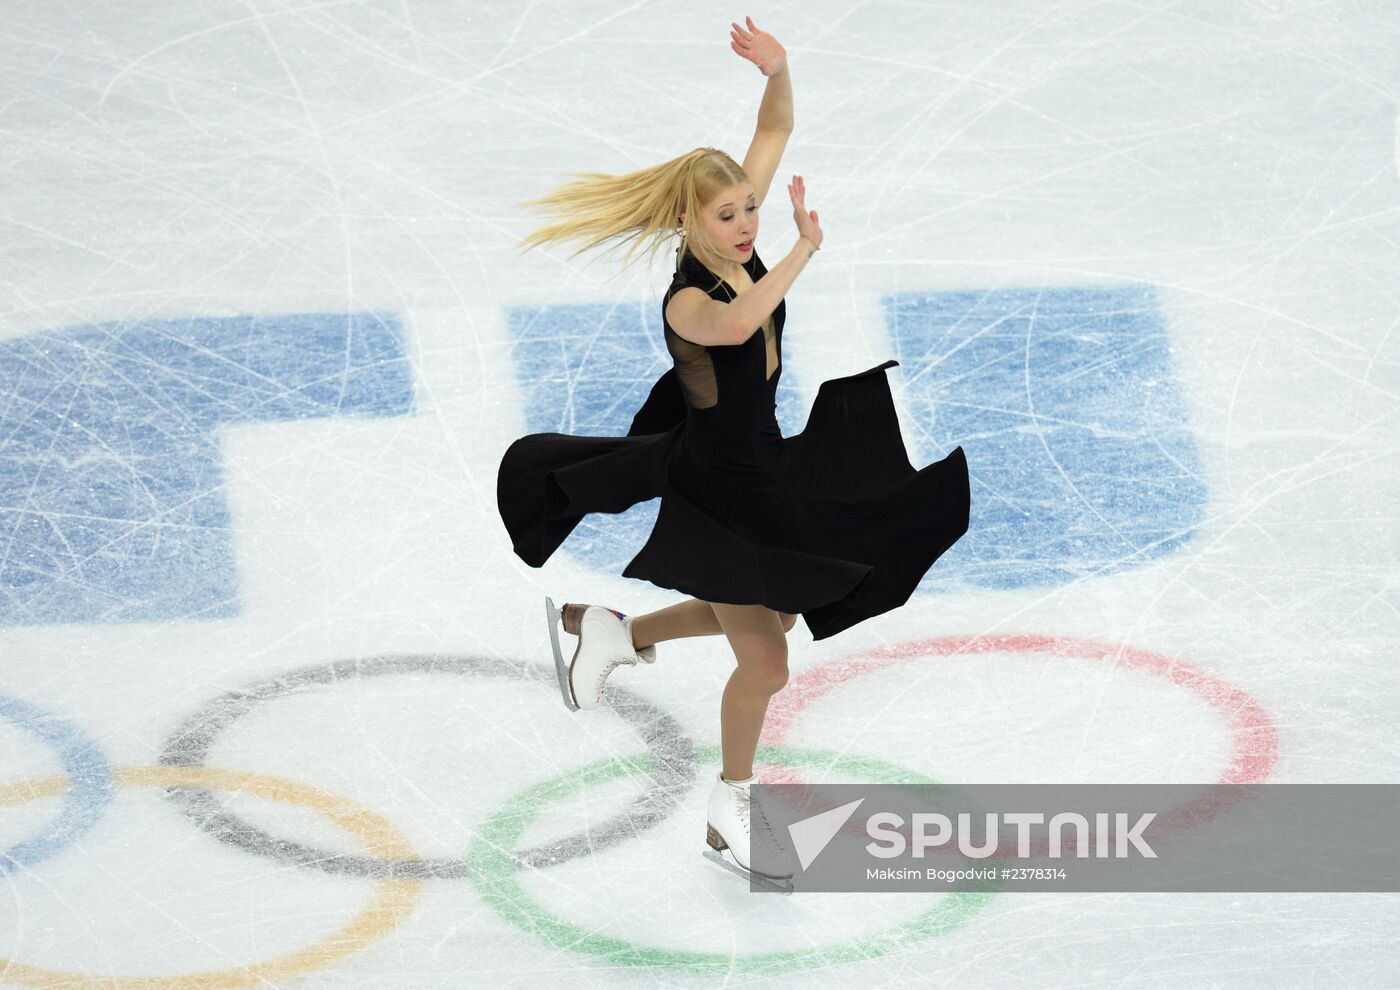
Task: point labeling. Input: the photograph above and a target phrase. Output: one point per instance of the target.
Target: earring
(680, 232)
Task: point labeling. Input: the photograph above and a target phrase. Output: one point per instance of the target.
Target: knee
(767, 670)
(777, 678)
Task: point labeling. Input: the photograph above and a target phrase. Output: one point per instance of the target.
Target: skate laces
(765, 832)
(629, 660)
(743, 806)
(608, 669)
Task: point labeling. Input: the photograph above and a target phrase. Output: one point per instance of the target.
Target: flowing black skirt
(833, 524)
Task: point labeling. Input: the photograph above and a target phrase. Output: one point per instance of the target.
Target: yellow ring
(391, 902)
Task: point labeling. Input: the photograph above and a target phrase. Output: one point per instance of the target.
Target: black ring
(672, 773)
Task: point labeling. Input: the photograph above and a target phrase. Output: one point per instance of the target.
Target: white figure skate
(604, 642)
(729, 827)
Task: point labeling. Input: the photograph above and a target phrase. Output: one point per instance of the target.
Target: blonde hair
(645, 204)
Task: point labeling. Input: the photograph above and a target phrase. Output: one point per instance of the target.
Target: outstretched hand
(808, 225)
(759, 47)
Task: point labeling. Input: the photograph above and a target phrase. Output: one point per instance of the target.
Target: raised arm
(742, 317)
(774, 113)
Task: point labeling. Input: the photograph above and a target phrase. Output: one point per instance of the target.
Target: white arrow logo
(810, 836)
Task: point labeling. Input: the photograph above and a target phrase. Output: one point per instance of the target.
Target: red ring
(1254, 750)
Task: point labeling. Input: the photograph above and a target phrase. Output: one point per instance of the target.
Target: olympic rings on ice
(392, 900)
(1254, 739)
(498, 881)
(492, 865)
(672, 773)
(85, 799)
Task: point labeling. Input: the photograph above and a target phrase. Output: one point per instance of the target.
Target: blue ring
(91, 788)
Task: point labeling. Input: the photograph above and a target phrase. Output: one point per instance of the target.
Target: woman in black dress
(833, 524)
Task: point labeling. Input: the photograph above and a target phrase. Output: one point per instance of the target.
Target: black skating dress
(832, 523)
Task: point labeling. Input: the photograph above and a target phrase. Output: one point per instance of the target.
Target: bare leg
(691, 617)
(758, 636)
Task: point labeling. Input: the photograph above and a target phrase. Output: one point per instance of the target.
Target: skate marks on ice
(110, 474)
(1089, 463)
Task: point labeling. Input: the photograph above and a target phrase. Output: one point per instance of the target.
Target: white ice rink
(265, 333)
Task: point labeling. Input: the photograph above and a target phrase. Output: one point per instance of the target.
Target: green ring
(497, 878)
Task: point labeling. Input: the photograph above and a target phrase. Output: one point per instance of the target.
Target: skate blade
(777, 886)
(555, 618)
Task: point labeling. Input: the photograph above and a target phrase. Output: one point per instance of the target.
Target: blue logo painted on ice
(112, 491)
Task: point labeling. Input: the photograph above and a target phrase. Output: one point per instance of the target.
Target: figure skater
(833, 524)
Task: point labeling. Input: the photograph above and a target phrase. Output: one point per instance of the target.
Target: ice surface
(266, 333)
